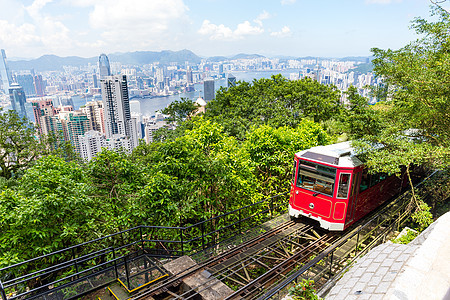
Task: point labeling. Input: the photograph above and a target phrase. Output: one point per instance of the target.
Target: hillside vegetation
(237, 153)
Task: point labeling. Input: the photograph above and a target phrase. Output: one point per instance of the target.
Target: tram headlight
(311, 205)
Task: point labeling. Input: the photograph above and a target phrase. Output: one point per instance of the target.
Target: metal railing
(79, 269)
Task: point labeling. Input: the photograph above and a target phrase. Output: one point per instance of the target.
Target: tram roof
(340, 155)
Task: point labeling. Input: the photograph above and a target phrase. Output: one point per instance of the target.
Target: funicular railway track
(250, 268)
(263, 266)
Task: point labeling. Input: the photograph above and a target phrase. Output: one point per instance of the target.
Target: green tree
(360, 119)
(47, 211)
(416, 116)
(114, 180)
(180, 110)
(275, 102)
(19, 146)
(272, 150)
(211, 171)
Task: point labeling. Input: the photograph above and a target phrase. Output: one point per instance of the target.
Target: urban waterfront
(150, 105)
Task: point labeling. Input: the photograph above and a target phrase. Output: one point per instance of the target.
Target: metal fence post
(115, 263)
(202, 229)
(76, 265)
(182, 241)
(126, 271)
(239, 224)
(2, 290)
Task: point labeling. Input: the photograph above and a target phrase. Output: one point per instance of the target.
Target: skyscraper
(91, 143)
(103, 66)
(116, 105)
(18, 99)
(39, 85)
(27, 83)
(231, 80)
(189, 77)
(5, 75)
(94, 112)
(77, 124)
(209, 91)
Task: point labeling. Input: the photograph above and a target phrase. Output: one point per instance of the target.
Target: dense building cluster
(111, 119)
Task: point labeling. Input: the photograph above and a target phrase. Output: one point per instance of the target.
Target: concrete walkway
(419, 270)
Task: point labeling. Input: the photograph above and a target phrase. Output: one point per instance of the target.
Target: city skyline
(29, 29)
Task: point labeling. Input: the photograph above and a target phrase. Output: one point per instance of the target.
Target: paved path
(419, 270)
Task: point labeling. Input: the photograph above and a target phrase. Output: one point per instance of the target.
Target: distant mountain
(246, 56)
(362, 68)
(217, 58)
(54, 63)
(50, 63)
(147, 57)
(363, 59)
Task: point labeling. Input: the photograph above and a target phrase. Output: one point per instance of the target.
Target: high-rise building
(103, 66)
(27, 83)
(189, 77)
(116, 105)
(94, 80)
(77, 124)
(18, 99)
(209, 91)
(42, 108)
(95, 113)
(5, 74)
(39, 86)
(231, 80)
(91, 143)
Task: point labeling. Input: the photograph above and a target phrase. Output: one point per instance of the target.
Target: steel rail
(221, 257)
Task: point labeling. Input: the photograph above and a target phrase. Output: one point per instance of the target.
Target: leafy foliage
(304, 291)
(18, 144)
(271, 151)
(418, 96)
(47, 211)
(178, 111)
(275, 102)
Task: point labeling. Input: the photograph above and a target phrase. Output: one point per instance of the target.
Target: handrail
(136, 238)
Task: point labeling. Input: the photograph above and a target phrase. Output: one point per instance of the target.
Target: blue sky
(331, 28)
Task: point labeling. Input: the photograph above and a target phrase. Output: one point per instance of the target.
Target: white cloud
(284, 32)
(246, 28)
(262, 16)
(216, 32)
(222, 32)
(12, 36)
(135, 19)
(286, 2)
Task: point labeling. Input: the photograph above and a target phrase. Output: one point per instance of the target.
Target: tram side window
(369, 180)
(377, 178)
(344, 181)
(316, 178)
(365, 181)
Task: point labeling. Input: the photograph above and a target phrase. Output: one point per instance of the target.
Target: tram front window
(315, 177)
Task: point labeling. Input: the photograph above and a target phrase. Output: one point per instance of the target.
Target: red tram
(331, 186)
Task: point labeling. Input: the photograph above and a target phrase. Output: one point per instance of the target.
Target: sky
(325, 28)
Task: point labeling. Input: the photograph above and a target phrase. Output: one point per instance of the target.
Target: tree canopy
(416, 113)
(275, 102)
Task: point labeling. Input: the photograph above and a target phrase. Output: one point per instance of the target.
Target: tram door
(353, 197)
